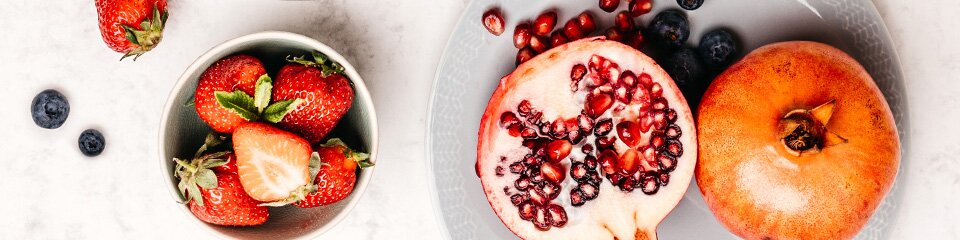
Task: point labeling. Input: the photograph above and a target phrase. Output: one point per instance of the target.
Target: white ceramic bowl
(182, 132)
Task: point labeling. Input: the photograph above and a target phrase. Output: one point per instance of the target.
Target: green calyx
(327, 67)
(362, 159)
(258, 106)
(195, 173)
(147, 36)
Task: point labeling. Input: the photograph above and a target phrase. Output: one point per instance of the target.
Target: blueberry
(717, 48)
(91, 142)
(49, 109)
(670, 29)
(690, 4)
(686, 70)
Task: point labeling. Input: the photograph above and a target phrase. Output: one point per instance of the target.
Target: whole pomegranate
(796, 142)
(589, 140)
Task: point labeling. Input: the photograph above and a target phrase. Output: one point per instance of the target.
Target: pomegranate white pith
(648, 166)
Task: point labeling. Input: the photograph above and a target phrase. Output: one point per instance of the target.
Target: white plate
(474, 61)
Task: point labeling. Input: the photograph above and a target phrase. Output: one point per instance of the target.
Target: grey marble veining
(51, 191)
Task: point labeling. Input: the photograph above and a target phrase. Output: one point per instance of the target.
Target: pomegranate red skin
(825, 195)
(646, 219)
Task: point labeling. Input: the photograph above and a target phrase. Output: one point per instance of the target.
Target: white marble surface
(51, 191)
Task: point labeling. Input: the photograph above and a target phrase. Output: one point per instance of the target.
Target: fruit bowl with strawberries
(269, 135)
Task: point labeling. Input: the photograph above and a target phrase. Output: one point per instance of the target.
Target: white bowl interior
(182, 132)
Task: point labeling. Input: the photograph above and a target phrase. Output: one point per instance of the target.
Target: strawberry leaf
(261, 96)
(194, 192)
(215, 163)
(238, 102)
(314, 165)
(206, 178)
(276, 111)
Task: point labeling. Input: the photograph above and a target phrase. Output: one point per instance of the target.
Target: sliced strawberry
(271, 162)
(237, 72)
(337, 174)
(326, 95)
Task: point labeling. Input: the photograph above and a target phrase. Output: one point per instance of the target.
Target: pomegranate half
(589, 140)
(796, 142)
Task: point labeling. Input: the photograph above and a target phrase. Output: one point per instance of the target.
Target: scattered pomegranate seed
(629, 133)
(544, 23)
(598, 104)
(539, 44)
(572, 30)
(613, 34)
(557, 39)
(553, 172)
(493, 21)
(558, 150)
(609, 5)
(524, 55)
(624, 22)
(629, 162)
(608, 159)
(635, 40)
(640, 7)
(587, 25)
(578, 71)
(521, 35)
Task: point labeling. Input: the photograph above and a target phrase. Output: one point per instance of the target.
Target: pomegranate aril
(524, 55)
(646, 122)
(536, 197)
(624, 22)
(517, 167)
(656, 91)
(553, 172)
(650, 184)
(515, 130)
(603, 127)
(597, 104)
(664, 179)
(539, 44)
(517, 199)
(577, 72)
(627, 184)
(544, 23)
(605, 142)
(608, 161)
(674, 148)
(558, 150)
(613, 34)
(590, 162)
(659, 120)
(536, 177)
(671, 115)
(585, 123)
(576, 198)
(578, 171)
(629, 133)
(615, 179)
(585, 20)
(542, 219)
(586, 148)
(528, 133)
(609, 5)
(527, 211)
(532, 160)
(521, 35)
(634, 39)
(629, 162)
(559, 216)
(572, 30)
(557, 38)
(666, 162)
(673, 131)
(522, 183)
(524, 108)
(628, 79)
(508, 118)
(590, 191)
(493, 21)
(639, 7)
(595, 178)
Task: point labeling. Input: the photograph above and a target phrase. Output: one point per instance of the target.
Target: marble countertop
(51, 191)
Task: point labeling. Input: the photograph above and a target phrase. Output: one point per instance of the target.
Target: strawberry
(337, 174)
(326, 95)
(272, 163)
(217, 196)
(131, 27)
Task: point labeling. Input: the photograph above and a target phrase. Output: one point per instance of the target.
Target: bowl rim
(362, 94)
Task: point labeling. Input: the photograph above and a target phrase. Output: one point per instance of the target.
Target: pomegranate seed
(515, 130)
(628, 79)
(508, 118)
(671, 115)
(553, 172)
(539, 44)
(603, 89)
(645, 80)
(613, 34)
(649, 155)
(521, 35)
(498, 171)
(578, 171)
(659, 120)
(585, 20)
(591, 162)
(656, 91)
(532, 160)
(550, 190)
(645, 123)
(535, 119)
(524, 108)
(627, 184)
(572, 30)
(657, 140)
(623, 95)
(598, 104)
(522, 183)
(536, 197)
(528, 133)
(559, 215)
(673, 131)
(557, 38)
(493, 21)
(659, 104)
(615, 179)
(624, 22)
(603, 127)
(664, 179)
(609, 5)
(608, 161)
(587, 148)
(517, 199)
(629, 162)
(542, 220)
(666, 162)
(544, 23)
(589, 191)
(577, 72)
(605, 142)
(527, 211)
(674, 148)
(576, 198)
(650, 185)
(629, 133)
(640, 7)
(585, 123)
(517, 167)
(525, 55)
(558, 150)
